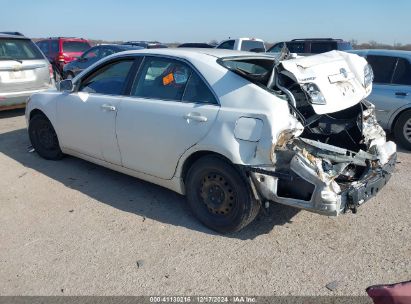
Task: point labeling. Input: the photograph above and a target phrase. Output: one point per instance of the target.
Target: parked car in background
(24, 70)
(147, 44)
(311, 46)
(391, 92)
(196, 45)
(93, 55)
(243, 44)
(231, 131)
(62, 50)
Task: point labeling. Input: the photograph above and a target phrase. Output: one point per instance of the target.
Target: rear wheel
(219, 196)
(44, 138)
(402, 130)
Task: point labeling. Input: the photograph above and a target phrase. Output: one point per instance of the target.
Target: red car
(62, 50)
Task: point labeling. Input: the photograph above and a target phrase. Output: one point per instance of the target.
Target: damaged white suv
(232, 131)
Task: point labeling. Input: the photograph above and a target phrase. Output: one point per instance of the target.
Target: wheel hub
(407, 130)
(217, 194)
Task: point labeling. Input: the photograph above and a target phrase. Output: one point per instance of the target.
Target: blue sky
(198, 21)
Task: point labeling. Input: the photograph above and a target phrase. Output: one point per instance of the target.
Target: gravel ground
(74, 228)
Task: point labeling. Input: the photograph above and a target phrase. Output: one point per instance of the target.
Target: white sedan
(232, 131)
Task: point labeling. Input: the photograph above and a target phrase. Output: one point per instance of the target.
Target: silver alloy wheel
(407, 130)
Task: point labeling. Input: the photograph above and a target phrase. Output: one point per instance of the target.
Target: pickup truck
(243, 44)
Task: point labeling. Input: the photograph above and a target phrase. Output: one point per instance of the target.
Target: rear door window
(227, 45)
(161, 78)
(20, 49)
(296, 47)
(197, 91)
(109, 79)
(402, 74)
(75, 46)
(383, 67)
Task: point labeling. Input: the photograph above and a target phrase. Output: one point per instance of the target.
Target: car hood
(338, 75)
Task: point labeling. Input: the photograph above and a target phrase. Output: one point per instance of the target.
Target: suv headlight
(368, 75)
(316, 97)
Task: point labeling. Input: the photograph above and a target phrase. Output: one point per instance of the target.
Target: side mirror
(66, 85)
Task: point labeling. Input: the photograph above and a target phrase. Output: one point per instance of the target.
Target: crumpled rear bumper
(311, 192)
(369, 186)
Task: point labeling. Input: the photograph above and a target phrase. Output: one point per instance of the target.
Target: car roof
(193, 53)
(382, 52)
(11, 36)
(120, 46)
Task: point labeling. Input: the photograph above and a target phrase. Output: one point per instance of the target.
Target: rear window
(20, 49)
(257, 70)
(252, 46)
(75, 46)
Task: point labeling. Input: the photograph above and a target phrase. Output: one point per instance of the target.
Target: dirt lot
(74, 228)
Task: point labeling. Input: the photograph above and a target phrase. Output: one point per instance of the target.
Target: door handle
(401, 94)
(108, 107)
(196, 117)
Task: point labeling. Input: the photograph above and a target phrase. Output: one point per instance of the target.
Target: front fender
(46, 103)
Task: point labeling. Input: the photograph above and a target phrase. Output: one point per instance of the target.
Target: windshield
(75, 46)
(344, 46)
(19, 49)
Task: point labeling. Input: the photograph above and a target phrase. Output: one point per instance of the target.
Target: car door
(390, 91)
(169, 110)
(86, 118)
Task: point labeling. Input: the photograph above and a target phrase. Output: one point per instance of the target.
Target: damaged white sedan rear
(232, 131)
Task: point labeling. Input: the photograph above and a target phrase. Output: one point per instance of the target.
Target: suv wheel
(402, 130)
(219, 196)
(44, 138)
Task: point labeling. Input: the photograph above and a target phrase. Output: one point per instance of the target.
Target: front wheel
(43, 138)
(219, 196)
(402, 130)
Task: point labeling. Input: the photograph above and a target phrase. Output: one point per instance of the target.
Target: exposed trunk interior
(341, 129)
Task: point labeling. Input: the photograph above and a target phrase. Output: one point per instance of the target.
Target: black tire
(402, 130)
(43, 138)
(219, 196)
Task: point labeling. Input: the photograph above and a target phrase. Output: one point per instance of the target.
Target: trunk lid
(339, 76)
